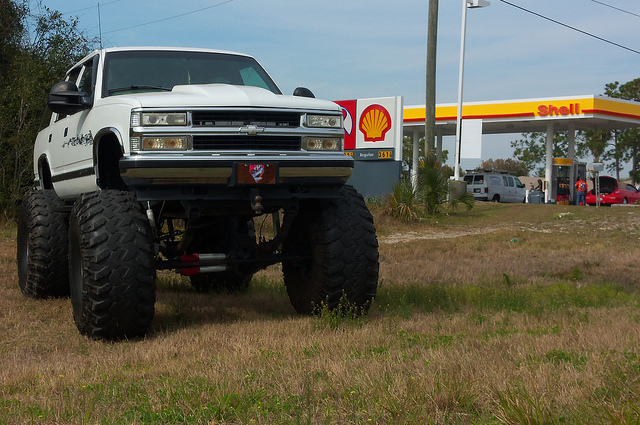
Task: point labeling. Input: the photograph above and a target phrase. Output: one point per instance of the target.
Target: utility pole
(430, 100)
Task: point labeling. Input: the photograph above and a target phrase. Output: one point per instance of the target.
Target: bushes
(35, 51)
(430, 196)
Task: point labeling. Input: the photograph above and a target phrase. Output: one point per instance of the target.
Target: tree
(12, 16)
(513, 166)
(596, 141)
(614, 155)
(37, 57)
(629, 139)
(532, 150)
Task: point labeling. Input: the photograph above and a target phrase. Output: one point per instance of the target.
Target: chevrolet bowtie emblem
(251, 129)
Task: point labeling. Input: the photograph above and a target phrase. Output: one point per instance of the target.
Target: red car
(613, 192)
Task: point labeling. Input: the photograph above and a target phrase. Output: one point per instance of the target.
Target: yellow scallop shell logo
(375, 122)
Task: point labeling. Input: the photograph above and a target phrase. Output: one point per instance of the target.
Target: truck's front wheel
(111, 266)
(337, 251)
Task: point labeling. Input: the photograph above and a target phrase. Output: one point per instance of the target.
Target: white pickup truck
(161, 158)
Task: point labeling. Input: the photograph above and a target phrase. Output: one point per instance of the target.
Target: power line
(89, 8)
(616, 8)
(168, 18)
(570, 27)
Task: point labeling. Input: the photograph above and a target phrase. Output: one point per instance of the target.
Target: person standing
(581, 192)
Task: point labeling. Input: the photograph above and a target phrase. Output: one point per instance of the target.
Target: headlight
(158, 118)
(323, 144)
(164, 143)
(324, 121)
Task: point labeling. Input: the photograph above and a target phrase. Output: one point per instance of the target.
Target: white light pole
(465, 4)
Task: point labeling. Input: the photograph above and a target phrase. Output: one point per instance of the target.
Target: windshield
(144, 71)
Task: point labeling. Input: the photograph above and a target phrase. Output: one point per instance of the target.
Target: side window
(505, 183)
(511, 184)
(74, 74)
(87, 82)
(71, 76)
(519, 184)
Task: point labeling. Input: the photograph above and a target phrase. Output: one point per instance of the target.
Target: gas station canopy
(531, 115)
(526, 115)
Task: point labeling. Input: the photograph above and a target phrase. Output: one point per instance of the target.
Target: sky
(349, 49)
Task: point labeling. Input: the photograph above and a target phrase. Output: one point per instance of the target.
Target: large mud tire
(336, 242)
(233, 236)
(111, 266)
(43, 223)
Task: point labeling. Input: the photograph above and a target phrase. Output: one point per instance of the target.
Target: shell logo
(375, 122)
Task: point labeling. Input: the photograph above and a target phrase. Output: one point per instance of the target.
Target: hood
(607, 181)
(223, 95)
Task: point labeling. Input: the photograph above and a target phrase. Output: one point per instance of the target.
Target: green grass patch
(403, 300)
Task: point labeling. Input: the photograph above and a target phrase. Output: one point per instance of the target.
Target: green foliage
(466, 201)
(597, 142)
(347, 313)
(402, 202)
(430, 196)
(513, 166)
(505, 296)
(434, 191)
(629, 139)
(519, 406)
(37, 55)
(433, 187)
(531, 150)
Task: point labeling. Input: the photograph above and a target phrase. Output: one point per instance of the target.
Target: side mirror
(303, 92)
(65, 98)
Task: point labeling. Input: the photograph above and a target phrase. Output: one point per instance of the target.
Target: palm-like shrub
(431, 196)
(433, 187)
(402, 202)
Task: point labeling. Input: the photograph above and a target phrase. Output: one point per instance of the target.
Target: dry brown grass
(449, 340)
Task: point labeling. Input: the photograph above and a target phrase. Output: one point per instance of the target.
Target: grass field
(506, 314)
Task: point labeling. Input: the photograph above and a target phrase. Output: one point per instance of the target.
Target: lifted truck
(161, 158)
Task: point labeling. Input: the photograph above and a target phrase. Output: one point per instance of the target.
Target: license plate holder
(258, 173)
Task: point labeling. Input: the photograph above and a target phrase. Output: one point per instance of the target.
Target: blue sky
(351, 49)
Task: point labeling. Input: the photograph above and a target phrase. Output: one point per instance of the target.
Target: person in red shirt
(581, 192)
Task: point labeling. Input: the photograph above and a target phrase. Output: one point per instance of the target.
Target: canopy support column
(548, 163)
(439, 147)
(416, 155)
(571, 138)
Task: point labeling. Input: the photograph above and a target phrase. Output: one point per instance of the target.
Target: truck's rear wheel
(111, 266)
(42, 245)
(232, 236)
(337, 247)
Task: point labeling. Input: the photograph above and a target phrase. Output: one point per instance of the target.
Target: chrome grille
(243, 118)
(245, 143)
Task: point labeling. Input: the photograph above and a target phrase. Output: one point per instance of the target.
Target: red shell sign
(375, 122)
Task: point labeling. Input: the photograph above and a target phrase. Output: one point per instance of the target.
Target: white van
(495, 187)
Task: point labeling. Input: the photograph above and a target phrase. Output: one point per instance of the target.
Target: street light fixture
(471, 4)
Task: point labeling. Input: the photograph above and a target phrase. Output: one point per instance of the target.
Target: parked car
(495, 187)
(613, 192)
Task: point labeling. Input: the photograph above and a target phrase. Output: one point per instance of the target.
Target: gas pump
(564, 175)
(561, 181)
